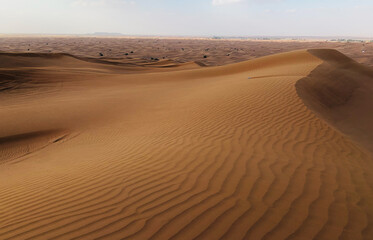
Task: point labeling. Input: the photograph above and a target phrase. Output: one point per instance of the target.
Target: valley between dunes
(278, 147)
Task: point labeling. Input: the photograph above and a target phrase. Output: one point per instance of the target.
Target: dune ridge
(340, 91)
(241, 151)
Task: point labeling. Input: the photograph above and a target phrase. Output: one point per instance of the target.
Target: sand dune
(218, 52)
(340, 90)
(271, 148)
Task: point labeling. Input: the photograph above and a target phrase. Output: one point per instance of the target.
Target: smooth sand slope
(272, 148)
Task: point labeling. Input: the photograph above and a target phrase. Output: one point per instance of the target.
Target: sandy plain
(218, 52)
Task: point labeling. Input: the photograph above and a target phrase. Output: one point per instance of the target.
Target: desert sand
(217, 52)
(278, 147)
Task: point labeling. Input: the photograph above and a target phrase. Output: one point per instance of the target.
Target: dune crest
(341, 92)
(229, 152)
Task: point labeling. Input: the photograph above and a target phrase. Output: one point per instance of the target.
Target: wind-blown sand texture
(271, 148)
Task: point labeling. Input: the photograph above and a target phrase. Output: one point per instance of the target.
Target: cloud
(86, 3)
(101, 3)
(291, 10)
(223, 2)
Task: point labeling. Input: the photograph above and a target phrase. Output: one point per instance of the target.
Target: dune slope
(244, 151)
(340, 91)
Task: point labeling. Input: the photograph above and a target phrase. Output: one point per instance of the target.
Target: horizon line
(255, 37)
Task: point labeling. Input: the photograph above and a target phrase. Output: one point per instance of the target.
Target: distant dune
(278, 147)
(218, 52)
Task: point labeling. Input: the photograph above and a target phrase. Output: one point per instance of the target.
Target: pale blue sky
(192, 17)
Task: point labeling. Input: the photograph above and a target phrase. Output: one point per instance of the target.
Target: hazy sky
(190, 17)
